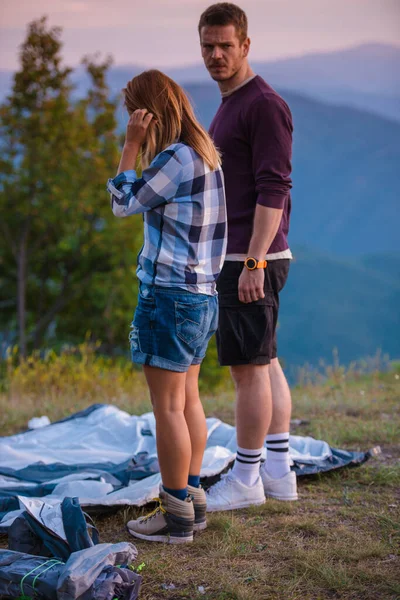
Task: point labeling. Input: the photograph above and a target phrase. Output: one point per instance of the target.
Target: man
(253, 131)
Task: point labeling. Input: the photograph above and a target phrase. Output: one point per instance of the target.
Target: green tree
(65, 259)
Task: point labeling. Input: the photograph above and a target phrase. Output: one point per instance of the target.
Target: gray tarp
(90, 574)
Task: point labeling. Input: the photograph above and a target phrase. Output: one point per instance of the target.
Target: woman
(181, 196)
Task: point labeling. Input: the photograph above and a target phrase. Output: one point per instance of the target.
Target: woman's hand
(138, 124)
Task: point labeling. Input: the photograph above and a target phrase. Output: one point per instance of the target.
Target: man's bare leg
(281, 399)
(277, 465)
(243, 486)
(253, 415)
(253, 404)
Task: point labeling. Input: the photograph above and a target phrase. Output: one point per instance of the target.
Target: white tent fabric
(107, 435)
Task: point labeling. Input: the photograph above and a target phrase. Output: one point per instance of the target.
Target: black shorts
(247, 332)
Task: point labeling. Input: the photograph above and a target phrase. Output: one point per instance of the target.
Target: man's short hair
(225, 13)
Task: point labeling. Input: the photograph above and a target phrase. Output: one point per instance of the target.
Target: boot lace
(154, 512)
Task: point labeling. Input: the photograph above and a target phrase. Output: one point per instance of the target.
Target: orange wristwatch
(252, 263)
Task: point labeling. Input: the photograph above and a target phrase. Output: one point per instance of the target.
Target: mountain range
(346, 175)
(365, 76)
(331, 303)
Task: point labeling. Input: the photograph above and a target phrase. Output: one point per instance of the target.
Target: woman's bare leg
(167, 389)
(195, 419)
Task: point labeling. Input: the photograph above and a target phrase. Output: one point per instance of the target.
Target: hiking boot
(170, 522)
(284, 488)
(230, 493)
(200, 506)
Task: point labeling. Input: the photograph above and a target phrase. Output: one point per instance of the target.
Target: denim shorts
(171, 327)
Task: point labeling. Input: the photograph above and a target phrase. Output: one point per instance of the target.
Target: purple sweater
(253, 130)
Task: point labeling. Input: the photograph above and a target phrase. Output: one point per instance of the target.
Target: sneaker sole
(284, 498)
(200, 526)
(165, 539)
(236, 506)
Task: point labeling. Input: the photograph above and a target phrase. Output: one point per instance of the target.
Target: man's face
(222, 52)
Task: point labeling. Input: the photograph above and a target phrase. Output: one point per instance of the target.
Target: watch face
(251, 263)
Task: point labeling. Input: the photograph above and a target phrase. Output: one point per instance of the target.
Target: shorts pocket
(245, 335)
(232, 300)
(191, 320)
(245, 331)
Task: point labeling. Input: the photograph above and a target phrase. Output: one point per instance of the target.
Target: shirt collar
(235, 89)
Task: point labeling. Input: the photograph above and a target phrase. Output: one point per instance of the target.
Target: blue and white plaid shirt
(185, 229)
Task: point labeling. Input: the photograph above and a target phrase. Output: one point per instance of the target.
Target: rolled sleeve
(271, 139)
(119, 189)
(158, 185)
(272, 201)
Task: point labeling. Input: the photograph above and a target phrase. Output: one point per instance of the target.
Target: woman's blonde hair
(173, 117)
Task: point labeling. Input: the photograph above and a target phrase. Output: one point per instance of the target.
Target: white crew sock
(247, 465)
(277, 464)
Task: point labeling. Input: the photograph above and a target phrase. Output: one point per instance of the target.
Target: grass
(340, 541)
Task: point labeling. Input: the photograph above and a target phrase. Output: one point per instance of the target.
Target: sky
(157, 33)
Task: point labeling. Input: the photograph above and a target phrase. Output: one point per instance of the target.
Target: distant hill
(365, 76)
(330, 303)
(367, 68)
(354, 76)
(346, 174)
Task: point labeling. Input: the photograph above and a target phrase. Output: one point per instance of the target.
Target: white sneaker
(230, 493)
(284, 488)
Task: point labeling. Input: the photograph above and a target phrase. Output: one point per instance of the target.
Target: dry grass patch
(340, 541)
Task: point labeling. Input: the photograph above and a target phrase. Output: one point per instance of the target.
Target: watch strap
(252, 263)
